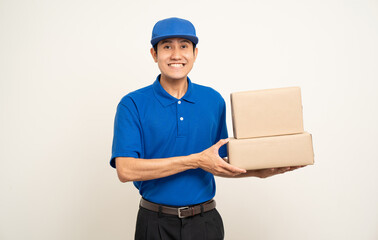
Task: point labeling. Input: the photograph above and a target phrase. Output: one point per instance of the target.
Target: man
(169, 138)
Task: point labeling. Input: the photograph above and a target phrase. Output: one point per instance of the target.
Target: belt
(181, 212)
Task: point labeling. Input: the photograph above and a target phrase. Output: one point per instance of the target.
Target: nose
(176, 53)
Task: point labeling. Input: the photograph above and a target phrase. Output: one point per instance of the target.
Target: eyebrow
(166, 41)
(170, 41)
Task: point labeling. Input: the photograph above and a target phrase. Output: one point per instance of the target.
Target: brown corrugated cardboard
(271, 152)
(267, 112)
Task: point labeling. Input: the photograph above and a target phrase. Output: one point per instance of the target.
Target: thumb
(221, 142)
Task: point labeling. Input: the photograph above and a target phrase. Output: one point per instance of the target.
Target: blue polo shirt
(150, 123)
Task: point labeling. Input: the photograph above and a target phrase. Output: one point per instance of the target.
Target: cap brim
(193, 39)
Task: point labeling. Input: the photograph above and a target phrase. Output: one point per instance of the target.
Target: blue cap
(173, 27)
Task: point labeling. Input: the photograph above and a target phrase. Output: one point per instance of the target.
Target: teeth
(176, 65)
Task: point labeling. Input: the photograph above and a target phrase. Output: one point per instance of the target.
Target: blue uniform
(150, 123)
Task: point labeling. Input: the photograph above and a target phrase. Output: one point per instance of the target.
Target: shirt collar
(166, 99)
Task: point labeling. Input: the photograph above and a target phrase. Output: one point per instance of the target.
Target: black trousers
(158, 226)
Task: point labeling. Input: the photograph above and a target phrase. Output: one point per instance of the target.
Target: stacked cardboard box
(268, 130)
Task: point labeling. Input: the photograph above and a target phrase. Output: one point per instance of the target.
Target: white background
(64, 66)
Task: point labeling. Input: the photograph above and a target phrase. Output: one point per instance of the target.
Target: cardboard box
(267, 112)
(271, 152)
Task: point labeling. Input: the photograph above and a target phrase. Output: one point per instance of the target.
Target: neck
(175, 87)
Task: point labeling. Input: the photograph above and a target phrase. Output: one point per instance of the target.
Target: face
(175, 58)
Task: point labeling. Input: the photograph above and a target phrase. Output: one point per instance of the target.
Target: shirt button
(179, 102)
(181, 118)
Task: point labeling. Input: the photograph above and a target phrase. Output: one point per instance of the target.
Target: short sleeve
(127, 138)
(222, 130)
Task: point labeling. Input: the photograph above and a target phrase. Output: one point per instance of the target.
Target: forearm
(137, 169)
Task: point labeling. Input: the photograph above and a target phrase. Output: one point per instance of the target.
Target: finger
(294, 167)
(232, 168)
(226, 172)
(274, 171)
(221, 142)
(288, 169)
(284, 169)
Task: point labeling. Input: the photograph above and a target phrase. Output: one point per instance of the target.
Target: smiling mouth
(176, 65)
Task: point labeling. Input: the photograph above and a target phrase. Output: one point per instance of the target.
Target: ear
(195, 53)
(153, 54)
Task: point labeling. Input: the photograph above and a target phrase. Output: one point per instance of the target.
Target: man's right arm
(137, 169)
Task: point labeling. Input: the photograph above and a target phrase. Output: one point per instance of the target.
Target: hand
(210, 161)
(264, 173)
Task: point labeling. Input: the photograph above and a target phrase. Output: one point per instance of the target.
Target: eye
(184, 46)
(167, 47)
